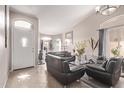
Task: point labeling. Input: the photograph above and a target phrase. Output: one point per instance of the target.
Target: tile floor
(38, 77)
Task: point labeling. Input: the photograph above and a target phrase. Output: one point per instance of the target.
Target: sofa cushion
(101, 60)
(104, 64)
(61, 54)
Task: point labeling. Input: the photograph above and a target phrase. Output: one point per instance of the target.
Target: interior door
(23, 48)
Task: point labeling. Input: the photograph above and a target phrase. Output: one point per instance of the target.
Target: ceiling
(55, 19)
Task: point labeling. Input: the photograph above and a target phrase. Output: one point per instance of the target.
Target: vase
(83, 59)
(79, 59)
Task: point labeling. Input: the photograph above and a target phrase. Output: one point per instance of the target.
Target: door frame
(27, 19)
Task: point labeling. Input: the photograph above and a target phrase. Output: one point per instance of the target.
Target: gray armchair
(108, 73)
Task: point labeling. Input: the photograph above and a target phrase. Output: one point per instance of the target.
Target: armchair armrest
(117, 73)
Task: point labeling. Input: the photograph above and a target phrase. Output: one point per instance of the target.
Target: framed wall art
(69, 38)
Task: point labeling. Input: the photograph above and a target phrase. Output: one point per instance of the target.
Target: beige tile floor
(36, 77)
(120, 83)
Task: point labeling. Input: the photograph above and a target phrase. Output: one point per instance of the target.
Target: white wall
(87, 28)
(4, 52)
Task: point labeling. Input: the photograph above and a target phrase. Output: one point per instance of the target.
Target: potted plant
(80, 48)
(115, 51)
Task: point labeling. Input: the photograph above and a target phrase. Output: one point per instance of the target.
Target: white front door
(23, 48)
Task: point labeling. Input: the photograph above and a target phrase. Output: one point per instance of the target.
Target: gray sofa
(59, 68)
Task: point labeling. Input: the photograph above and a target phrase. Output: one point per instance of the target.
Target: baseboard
(5, 83)
(6, 80)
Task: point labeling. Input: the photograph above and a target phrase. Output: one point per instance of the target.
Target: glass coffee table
(81, 63)
(76, 66)
(73, 65)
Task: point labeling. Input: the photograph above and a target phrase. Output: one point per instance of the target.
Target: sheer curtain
(116, 39)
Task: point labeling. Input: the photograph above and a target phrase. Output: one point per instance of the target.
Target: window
(24, 42)
(116, 39)
(23, 24)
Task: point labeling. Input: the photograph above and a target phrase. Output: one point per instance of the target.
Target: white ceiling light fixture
(106, 9)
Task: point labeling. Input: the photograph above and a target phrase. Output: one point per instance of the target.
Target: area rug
(93, 83)
(78, 84)
(86, 82)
